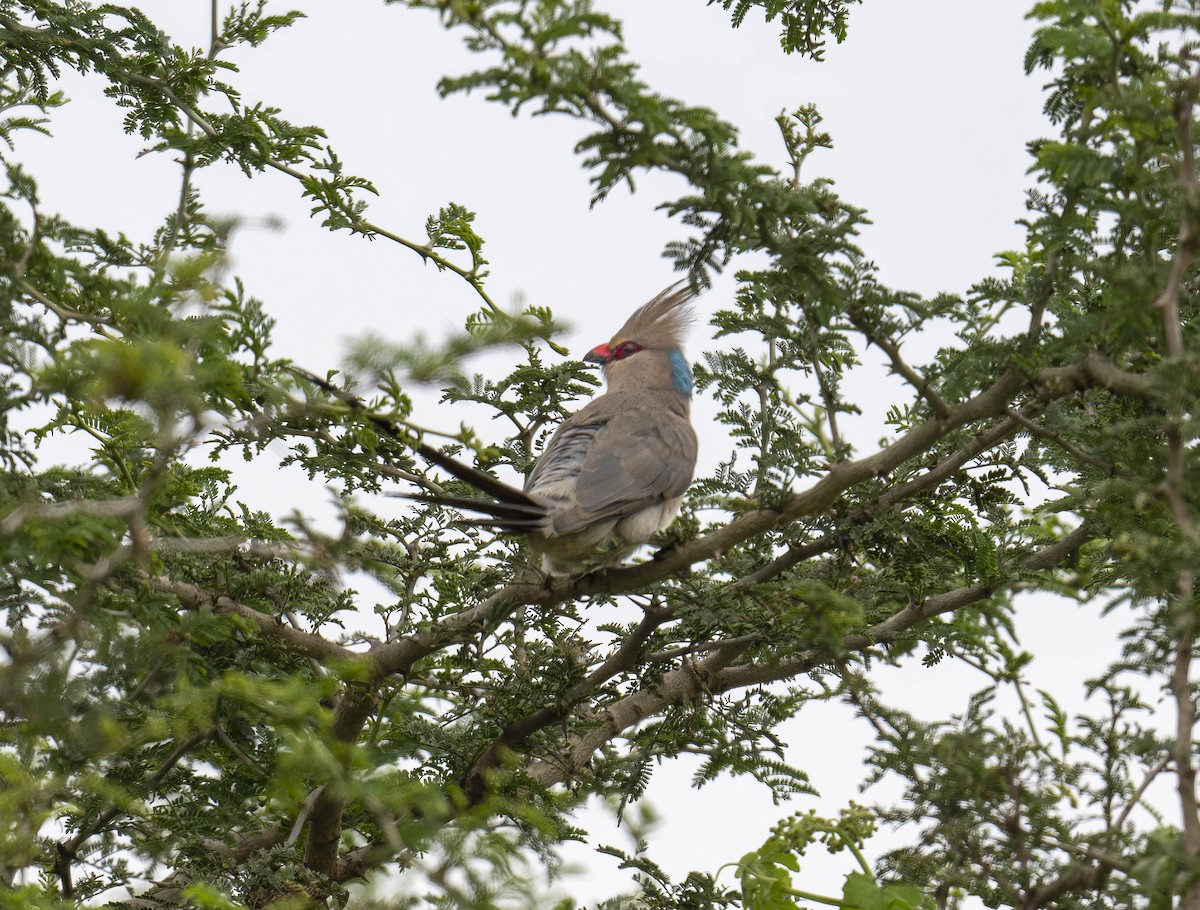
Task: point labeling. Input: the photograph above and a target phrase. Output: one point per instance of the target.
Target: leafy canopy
(198, 707)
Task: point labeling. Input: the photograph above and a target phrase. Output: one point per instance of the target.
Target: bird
(613, 474)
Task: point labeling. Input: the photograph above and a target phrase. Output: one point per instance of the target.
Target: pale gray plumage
(614, 473)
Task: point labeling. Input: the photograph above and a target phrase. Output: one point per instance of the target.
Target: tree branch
(124, 507)
(674, 688)
(922, 385)
(1183, 610)
(1077, 453)
(1054, 382)
(624, 658)
(797, 553)
(715, 675)
(398, 656)
(1184, 627)
(66, 851)
(1073, 877)
(193, 597)
(79, 46)
(1156, 769)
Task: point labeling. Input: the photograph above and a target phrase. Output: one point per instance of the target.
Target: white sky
(929, 111)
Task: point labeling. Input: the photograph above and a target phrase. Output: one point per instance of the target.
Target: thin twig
(102, 326)
(359, 225)
(911, 376)
(835, 438)
(673, 653)
(1073, 450)
(68, 850)
(1156, 769)
(309, 644)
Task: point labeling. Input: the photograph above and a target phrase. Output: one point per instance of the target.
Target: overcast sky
(929, 111)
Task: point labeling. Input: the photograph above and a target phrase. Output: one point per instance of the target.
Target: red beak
(600, 354)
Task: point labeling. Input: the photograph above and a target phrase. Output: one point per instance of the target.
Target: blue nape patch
(680, 374)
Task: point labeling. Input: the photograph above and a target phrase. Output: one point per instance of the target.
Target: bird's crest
(660, 324)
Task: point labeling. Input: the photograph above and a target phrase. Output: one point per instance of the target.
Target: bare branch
(922, 385)
(1039, 430)
(309, 644)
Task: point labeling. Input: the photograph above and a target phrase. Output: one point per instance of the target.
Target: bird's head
(648, 348)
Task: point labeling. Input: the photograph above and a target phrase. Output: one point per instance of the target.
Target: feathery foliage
(200, 709)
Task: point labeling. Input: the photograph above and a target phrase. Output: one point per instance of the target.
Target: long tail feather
(520, 512)
(485, 483)
(498, 524)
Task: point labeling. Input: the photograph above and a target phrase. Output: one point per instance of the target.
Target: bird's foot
(670, 547)
(591, 578)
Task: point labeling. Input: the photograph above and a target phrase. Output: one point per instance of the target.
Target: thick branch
(233, 543)
(1054, 382)
(325, 820)
(1183, 609)
(50, 511)
(1185, 251)
(1075, 877)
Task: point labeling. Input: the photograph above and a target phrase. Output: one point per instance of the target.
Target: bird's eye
(624, 350)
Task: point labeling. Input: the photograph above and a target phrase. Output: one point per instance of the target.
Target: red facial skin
(605, 354)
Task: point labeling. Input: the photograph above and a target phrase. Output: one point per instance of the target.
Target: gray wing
(637, 459)
(558, 468)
